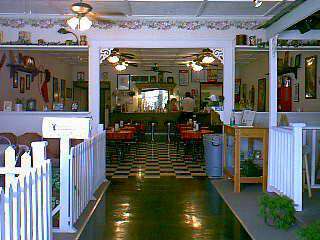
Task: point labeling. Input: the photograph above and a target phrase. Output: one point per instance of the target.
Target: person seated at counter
(173, 105)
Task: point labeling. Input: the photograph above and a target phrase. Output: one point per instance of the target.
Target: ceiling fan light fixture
(73, 22)
(257, 3)
(84, 24)
(121, 67)
(207, 59)
(197, 68)
(113, 59)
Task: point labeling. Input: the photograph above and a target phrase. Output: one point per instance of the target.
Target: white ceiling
(147, 8)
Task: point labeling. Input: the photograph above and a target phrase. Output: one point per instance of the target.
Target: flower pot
(19, 107)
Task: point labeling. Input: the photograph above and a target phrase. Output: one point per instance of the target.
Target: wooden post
(237, 142)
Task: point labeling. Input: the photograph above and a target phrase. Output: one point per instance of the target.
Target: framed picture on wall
(55, 90)
(200, 76)
(123, 82)
(80, 76)
(69, 93)
(28, 82)
(22, 84)
(15, 80)
(183, 77)
(170, 79)
(311, 77)
(63, 89)
(262, 95)
(296, 92)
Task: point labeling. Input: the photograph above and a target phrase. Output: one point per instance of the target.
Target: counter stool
(152, 127)
(171, 125)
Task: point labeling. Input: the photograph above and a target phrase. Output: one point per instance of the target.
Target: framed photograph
(15, 80)
(123, 82)
(105, 76)
(80, 76)
(296, 92)
(55, 90)
(311, 77)
(63, 89)
(69, 93)
(170, 80)
(22, 84)
(200, 76)
(153, 79)
(28, 82)
(183, 77)
(7, 106)
(262, 94)
(297, 60)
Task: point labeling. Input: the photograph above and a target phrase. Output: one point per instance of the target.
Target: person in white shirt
(188, 103)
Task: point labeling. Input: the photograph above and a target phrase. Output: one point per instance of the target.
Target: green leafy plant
(18, 101)
(311, 232)
(277, 211)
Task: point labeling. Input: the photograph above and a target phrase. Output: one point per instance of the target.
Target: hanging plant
(277, 211)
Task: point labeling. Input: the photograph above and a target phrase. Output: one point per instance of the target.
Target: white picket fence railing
(88, 172)
(25, 201)
(285, 162)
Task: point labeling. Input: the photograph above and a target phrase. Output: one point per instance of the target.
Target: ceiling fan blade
(133, 64)
(127, 55)
(164, 71)
(97, 17)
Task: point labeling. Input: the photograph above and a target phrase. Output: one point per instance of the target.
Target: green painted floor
(165, 208)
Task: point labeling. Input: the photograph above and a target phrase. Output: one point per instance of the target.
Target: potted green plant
(19, 105)
(277, 211)
(310, 232)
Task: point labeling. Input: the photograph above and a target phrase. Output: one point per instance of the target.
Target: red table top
(190, 134)
(120, 135)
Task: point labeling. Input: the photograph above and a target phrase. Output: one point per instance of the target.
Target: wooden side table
(250, 133)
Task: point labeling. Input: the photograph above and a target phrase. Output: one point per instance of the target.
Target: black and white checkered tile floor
(153, 160)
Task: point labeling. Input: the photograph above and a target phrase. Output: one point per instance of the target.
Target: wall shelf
(240, 48)
(46, 47)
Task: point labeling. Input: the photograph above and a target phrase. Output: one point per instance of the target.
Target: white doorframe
(228, 46)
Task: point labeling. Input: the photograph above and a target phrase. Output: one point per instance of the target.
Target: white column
(228, 80)
(273, 104)
(94, 84)
(273, 82)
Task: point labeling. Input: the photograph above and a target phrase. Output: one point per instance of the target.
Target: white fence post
(25, 205)
(297, 164)
(285, 162)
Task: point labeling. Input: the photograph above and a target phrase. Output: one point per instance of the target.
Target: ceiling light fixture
(113, 59)
(208, 59)
(80, 23)
(257, 3)
(197, 68)
(121, 66)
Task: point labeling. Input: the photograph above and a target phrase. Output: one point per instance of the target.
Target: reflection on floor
(152, 160)
(166, 209)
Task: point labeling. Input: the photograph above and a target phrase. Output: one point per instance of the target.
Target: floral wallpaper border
(138, 24)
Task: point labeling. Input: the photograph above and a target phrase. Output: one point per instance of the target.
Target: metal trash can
(213, 145)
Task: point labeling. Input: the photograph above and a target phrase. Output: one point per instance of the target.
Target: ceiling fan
(84, 16)
(116, 56)
(205, 57)
(155, 68)
(122, 65)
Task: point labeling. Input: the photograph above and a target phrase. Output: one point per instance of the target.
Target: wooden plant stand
(251, 133)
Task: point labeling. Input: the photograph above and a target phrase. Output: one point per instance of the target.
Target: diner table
(194, 138)
(121, 139)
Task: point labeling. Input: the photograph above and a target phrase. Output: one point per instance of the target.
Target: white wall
(259, 68)
(22, 122)
(57, 67)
